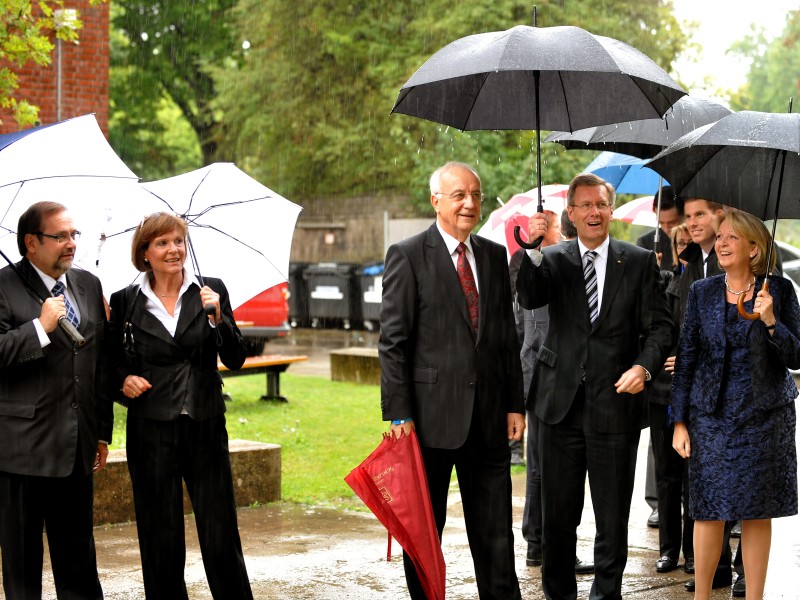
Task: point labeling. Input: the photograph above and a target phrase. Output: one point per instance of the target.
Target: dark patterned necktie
(58, 290)
(467, 280)
(590, 278)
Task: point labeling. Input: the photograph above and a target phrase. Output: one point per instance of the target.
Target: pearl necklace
(744, 291)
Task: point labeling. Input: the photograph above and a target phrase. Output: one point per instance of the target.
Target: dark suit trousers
(674, 531)
(62, 505)
(532, 514)
(160, 455)
(567, 451)
(484, 480)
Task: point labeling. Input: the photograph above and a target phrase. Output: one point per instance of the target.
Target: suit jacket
(633, 328)
(536, 324)
(647, 241)
(182, 369)
(434, 367)
(51, 398)
(700, 362)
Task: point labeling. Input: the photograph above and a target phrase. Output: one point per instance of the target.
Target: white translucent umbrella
(239, 229)
(637, 212)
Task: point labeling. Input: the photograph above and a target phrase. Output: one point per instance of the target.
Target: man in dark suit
(609, 333)
(52, 411)
(450, 369)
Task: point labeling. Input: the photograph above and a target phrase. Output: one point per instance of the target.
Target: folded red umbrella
(391, 481)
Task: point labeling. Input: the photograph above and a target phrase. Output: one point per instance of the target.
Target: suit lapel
(190, 308)
(615, 272)
(485, 281)
(142, 317)
(78, 292)
(572, 254)
(443, 265)
(32, 277)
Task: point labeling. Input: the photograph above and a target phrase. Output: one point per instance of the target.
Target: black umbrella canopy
(486, 81)
(646, 138)
(738, 161)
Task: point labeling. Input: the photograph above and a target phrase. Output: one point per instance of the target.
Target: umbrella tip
(534, 16)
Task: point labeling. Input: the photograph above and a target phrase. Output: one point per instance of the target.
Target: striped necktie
(72, 317)
(590, 278)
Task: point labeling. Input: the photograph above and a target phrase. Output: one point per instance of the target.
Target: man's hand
(680, 440)
(537, 226)
(632, 381)
(52, 310)
(100, 457)
(406, 428)
(516, 426)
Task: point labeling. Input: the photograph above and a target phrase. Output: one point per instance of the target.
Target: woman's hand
(680, 440)
(134, 386)
(669, 365)
(209, 296)
(763, 306)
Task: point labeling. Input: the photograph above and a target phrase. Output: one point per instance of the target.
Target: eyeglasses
(459, 196)
(601, 206)
(60, 238)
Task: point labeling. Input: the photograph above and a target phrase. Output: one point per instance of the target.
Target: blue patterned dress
(743, 463)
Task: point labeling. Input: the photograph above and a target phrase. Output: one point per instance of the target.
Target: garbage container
(298, 295)
(371, 277)
(333, 295)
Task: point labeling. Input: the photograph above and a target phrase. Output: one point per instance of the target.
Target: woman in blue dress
(733, 402)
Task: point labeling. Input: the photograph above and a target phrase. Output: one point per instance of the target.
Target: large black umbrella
(646, 138)
(561, 78)
(748, 160)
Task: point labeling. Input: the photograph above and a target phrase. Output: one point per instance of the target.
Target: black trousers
(567, 451)
(532, 514)
(675, 525)
(62, 506)
(162, 454)
(484, 480)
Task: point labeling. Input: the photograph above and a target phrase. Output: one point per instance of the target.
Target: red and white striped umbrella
(637, 212)
(499, 227)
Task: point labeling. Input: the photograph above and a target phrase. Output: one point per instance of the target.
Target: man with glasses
(450, 370)
(52, 410)
(609, 334)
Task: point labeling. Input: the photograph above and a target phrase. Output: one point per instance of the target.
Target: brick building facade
(76, 81)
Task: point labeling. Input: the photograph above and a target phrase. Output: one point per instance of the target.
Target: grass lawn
(325, 430)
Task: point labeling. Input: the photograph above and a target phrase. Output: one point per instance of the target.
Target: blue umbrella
(627, 174)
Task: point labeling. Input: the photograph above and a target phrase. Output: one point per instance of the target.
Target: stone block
(359, 365)
(256, 478)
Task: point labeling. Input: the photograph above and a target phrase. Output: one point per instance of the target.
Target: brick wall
(84, 74)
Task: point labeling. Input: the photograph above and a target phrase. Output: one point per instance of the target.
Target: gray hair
(436, 176)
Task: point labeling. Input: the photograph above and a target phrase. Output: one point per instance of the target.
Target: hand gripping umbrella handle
(71, 331)
(754, 316)
(528, 245)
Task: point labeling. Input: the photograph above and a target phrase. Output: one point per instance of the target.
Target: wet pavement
(304, 553)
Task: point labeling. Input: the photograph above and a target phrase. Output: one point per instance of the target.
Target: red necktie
(467, 281)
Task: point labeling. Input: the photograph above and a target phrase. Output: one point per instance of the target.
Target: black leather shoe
(534, 556)
(688, 566)
(652, 520)
(583, 568)
(665, 564)
(739, 590)
(720, 580)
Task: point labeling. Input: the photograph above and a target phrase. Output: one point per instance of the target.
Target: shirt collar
(452, 243)
(602, 249)
(188, 279)
(48, 281)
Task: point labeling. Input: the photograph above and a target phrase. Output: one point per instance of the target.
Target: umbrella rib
(191, 198)
(475, 99)
(235, 239)
(565, 99)
(224, 204)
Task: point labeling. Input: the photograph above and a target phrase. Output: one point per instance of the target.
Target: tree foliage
(26, 29)
(308, 109)
(774, 74)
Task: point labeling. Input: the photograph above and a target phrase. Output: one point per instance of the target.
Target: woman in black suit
(733, 401)
(164, 354)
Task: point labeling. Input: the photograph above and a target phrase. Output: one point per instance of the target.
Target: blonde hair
(752, 229)
(674, 234)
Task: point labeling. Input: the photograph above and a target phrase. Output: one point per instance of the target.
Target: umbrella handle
(527, 245)
(71, 331)
(740, 305)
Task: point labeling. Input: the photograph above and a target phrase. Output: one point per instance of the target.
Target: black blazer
(182, 369)
(53, 396)
(434, 368)
(634, 328)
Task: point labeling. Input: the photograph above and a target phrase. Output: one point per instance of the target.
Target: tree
(25, 32)
(164, 52)
(308, 108)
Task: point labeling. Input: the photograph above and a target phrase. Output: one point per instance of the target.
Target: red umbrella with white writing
(391, 481)
(637, 212)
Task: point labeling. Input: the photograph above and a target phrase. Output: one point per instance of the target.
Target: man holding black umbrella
(52, 410)
(610, 332)
(450, 370)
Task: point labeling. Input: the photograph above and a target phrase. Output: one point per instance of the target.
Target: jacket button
(472, 384)
(77, 379)
(74, 405)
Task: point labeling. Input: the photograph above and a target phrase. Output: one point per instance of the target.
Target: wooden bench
(271, 364)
